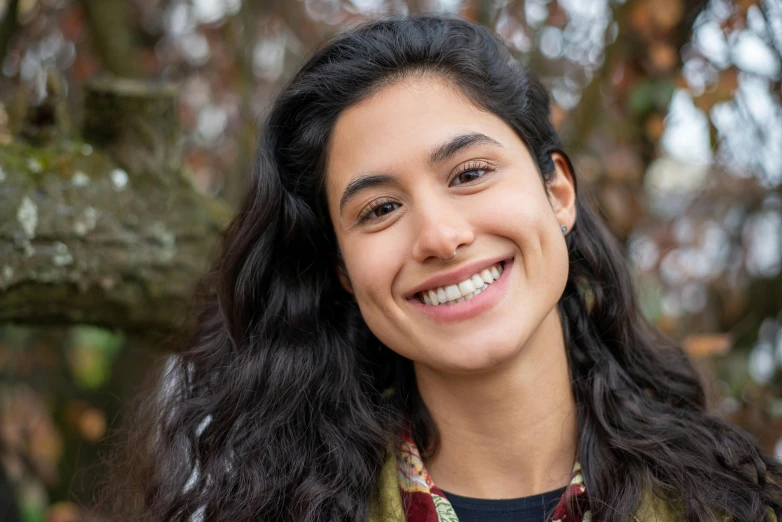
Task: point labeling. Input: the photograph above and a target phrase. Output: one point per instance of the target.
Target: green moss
(63, 159)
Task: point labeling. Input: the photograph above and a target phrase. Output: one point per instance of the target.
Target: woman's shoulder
(652, 508)
(655, 509)
(386, 505)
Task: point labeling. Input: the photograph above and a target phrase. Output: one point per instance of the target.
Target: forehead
(397, 126)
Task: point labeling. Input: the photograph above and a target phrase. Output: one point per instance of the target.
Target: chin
(477, 360)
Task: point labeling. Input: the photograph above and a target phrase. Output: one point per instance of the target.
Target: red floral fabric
(423, 501)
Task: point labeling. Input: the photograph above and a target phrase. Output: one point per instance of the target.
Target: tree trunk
(85, 239)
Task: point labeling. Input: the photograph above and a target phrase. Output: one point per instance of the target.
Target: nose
(442, 229)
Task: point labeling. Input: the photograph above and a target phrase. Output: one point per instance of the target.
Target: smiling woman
(417, 317)
(457, 179)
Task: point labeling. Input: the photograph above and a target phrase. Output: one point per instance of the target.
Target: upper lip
(455, 276)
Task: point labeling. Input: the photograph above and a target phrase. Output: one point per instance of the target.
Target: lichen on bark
(85, 240)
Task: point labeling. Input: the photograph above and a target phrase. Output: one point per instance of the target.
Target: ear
(344, 280)
(342, 274)
(562, 191)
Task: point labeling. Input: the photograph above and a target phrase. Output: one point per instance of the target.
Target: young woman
(416, 317)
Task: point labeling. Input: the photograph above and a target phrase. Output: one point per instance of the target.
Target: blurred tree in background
(670, 109)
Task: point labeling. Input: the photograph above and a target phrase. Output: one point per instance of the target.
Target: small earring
(564, 229)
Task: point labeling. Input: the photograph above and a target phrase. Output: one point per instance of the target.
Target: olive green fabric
(654, 509)
(386, 505)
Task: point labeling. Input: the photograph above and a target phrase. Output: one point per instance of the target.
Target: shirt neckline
(505, 503)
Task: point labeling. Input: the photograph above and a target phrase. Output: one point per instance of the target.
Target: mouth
(465, 290)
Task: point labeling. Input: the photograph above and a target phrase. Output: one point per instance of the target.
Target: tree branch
(8, 28)
(110, 32)
(83, 240)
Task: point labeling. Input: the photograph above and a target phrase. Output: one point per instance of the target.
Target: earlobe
(562, 191)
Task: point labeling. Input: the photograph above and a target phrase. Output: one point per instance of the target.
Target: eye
(378, 209)
(471, 172)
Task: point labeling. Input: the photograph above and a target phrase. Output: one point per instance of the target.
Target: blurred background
(127, 128)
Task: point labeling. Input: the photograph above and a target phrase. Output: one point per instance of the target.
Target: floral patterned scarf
(423, 501)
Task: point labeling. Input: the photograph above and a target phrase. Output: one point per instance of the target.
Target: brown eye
(385, 208)
(378, 209)
(469, 175)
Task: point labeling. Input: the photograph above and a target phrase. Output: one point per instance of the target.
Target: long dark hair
(278, 408)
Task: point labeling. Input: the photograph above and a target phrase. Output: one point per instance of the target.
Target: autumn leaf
(701, 346)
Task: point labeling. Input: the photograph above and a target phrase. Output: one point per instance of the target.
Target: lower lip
(452, 313)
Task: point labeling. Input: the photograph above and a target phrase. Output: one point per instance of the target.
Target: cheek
(372, 264)
(519, 211)
(522, 213)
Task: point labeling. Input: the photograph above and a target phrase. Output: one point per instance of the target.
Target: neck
(510, 432)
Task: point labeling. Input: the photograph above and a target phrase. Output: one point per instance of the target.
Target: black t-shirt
(536, 508)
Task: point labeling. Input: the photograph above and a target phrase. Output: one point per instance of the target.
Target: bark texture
(84, 239)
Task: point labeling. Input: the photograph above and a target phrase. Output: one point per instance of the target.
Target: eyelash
(474, 166)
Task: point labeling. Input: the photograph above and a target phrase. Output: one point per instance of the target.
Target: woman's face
(415, 172)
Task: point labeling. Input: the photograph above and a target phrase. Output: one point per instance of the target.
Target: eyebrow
(364, 182)
(438, 155)
(457, 143)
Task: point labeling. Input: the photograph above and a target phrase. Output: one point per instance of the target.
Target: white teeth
(463, 291)
(466, 287)
(473, 294)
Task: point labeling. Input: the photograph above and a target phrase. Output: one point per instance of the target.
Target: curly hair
(277, 408)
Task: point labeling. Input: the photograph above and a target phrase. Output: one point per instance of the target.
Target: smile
(472, 300)
(463, 291)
